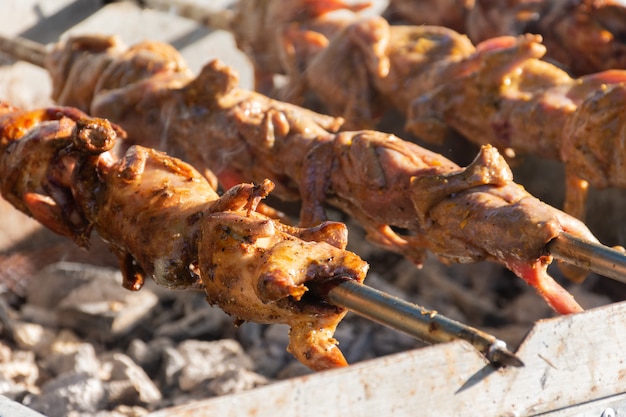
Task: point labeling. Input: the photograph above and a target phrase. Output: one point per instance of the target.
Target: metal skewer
(414, 320)
(590, 256)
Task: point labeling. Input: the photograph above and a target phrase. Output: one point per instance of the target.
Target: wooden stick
(23, 49)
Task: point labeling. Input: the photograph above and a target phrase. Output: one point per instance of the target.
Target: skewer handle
(590, 256)
(24, 50)
(426, 325)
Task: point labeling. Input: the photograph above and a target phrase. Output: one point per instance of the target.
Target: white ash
(174, 348)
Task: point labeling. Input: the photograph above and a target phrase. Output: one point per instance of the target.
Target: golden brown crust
(164, 220)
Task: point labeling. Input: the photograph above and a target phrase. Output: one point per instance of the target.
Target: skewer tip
(500, 355)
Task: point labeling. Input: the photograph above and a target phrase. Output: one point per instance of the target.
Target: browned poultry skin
(488, 19)
(480, 213)
(245, 135)
(517, 102)
(583, 36)
(448, 13)
(256, 270)
(500, 93)
(34, 167)
(163, 219)
(279, 37)
(368, 64)
(514, 96)
(78, 66)
(340, 75)
(92, 73)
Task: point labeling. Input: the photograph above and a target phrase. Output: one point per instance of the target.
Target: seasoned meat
(370, 64)
(512, 99)
(280, 37)
(245, 136)
(582, 36)
(480, 213)
(449, 13)
(34, 168)
(163, 219)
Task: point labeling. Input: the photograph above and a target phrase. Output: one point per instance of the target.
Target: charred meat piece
(164, 219)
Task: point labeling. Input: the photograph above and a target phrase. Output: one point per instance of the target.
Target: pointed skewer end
(499, 354)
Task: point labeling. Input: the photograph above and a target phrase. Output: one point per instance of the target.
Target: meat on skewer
(583, 36)
(500, 92)
(280, 37)
(61, 168)
(245, 135)
(523, 104)
(163, 219)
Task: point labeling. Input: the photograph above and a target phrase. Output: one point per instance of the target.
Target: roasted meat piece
(583, 36)
(78, 66)
(448, 13)
(365, 173)
(512, 99)
(246, 136)
(370, 64)
(280, 37)
(35, 169)
(163, 219)
(480, 213)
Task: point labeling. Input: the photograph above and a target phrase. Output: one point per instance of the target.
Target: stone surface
(209, 360)
(71, 392)
(137, 387)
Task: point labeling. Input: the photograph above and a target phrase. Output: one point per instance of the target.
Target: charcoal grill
(573, 365)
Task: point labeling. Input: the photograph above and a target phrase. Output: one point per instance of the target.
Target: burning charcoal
(81, 360)
(204, 321)
(32, 336)
(387, 342)
(267, 348)
(250, 334)
(124, 411)
(236, 380)
(61, 279)
(276, 336)
(65, 342)
(71, 392)
(103, 309)
(128, 383)
(18, 372)
(359, 344)
(173, 363)
(149, 355)
(292, 370)
(208, 360)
